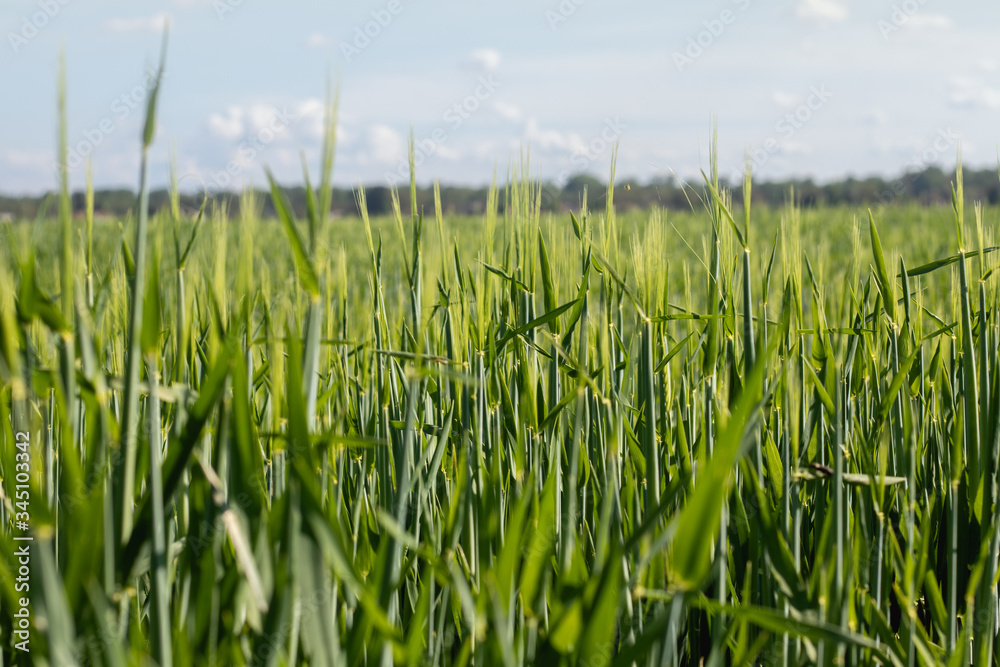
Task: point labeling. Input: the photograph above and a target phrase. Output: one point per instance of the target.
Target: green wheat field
(722, 436)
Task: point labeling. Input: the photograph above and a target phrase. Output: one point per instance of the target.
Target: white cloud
(229, 125)
(309, 115)
(486, 149)
(929, 21)
(242, 121)
(508, 111)
(30, 159)
(821, 11)
(154, 23)
(991, 97)
(795, 148)
(317, 40)
(784, 99)
(385, 144)
(971, 91)
(487, 59)
(551, 139)
(260, 116)
(878, 116)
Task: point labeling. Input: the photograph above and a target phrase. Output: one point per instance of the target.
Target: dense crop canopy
(570, 439)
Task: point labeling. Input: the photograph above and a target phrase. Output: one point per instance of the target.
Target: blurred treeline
(932, 186)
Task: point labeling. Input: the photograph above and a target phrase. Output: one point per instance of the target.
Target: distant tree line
(932, 186)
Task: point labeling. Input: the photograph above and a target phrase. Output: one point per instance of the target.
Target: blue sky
(820, 88)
